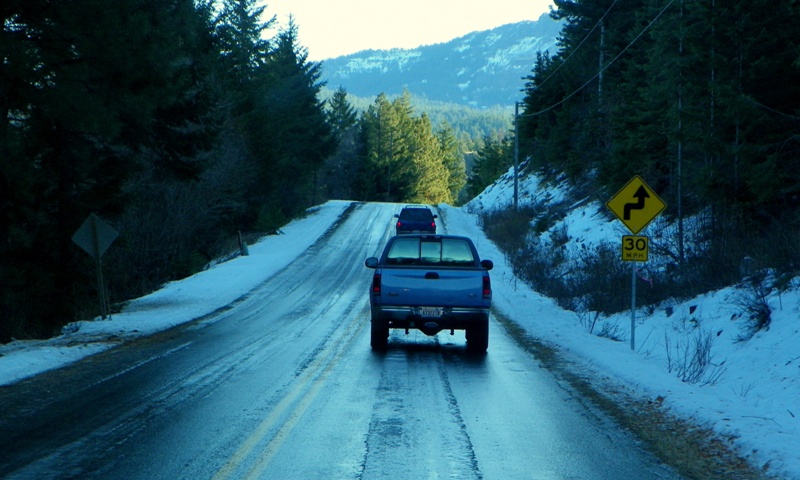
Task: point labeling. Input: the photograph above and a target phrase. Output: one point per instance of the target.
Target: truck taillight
(376, 284)
(399, 224)
(487, 287)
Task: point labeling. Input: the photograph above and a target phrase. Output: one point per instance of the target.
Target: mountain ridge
(481, 69)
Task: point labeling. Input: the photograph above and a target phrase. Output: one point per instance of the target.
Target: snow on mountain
(480, 69)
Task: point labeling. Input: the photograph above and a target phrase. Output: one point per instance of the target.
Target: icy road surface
(283, 385)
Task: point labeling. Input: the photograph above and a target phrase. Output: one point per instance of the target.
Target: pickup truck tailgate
(438, 288)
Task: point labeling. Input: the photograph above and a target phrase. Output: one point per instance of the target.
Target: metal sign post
(94, 237)
(634, 249)
(633, 305)
(635, 205)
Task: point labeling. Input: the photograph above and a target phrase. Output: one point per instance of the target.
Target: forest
(183, 126)
(186, 128)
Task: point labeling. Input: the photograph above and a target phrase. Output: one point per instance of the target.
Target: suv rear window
(416, 214)
(422, 251)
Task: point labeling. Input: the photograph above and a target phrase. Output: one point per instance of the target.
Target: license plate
(430, 312)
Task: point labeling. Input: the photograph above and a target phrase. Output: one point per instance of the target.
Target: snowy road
(283, 385)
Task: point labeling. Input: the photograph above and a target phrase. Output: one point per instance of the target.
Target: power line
(577, 48)
(770, 109)
(576, 91)
(517, 116)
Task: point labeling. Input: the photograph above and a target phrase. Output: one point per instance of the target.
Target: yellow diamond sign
(636, 204)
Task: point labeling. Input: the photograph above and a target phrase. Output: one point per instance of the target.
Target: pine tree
(243, 83)
(238, 29)
(493, 160)
(381, 137)
(453, 160)
(403, 159)
(541, 136)
(340, 169)
(431, 179)
(299, 130)
(341, 115)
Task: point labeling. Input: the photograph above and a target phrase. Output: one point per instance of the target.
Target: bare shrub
(549, 217)
(587, 319)
(752, 299)
(691, 360)
(533, 261)
(612, 332)
(508, 228)
(743, 390)
(591, 282)
(600, 279)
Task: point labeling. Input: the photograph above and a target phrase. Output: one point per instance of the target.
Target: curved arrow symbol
(640, 195)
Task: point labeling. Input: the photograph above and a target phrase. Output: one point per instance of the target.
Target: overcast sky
(330, 28)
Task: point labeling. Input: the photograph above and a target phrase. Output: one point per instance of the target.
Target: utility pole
(516, 155)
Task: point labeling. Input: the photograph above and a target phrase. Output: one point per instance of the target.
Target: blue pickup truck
(430, 283)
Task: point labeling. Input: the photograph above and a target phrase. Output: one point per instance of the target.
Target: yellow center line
(320, 369)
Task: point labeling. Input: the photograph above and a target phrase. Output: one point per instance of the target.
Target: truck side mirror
(371, 262)
(487, 264)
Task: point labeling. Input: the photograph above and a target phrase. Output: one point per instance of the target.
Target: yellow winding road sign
(636, 204)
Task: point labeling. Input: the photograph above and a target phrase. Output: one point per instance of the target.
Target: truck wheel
(379, 335)
(478, 337)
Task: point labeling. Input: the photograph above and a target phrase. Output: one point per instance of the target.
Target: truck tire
(478, 336)
(379, 335)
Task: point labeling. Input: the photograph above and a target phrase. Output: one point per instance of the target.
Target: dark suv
(415, 219)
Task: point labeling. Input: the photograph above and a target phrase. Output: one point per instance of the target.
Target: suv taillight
(376, 284)
(487, 287)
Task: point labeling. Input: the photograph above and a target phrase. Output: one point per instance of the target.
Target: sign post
(635, 205)
(94, 237)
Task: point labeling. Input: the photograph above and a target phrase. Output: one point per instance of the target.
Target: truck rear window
(420, 251)
(416, 214)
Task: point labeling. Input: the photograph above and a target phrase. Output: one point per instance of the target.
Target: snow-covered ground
(176, 303)
(750, 392)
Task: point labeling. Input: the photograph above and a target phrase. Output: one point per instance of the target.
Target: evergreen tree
(243, 50)
(405, 147)
(541, 135)
(341, 114)
(299, 133)
(767, 83)
(647, 122)
(493, 160)
(244, 84)
(92, 90)
(380, 134)
(452, 159)
(341, 168)
(403, 158)
(431, 179)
